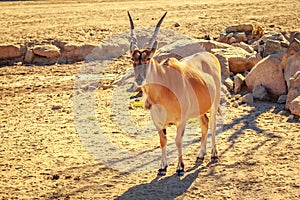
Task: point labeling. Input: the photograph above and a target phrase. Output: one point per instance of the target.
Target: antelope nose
(139, 80)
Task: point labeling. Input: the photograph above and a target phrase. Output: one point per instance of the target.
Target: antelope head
(141, 58)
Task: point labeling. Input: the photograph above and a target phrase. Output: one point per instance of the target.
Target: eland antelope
(177, 90)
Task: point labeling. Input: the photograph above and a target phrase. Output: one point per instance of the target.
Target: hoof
(199, 160)
(214, 159)
(180, 169)
(162, 172)
(180, 172)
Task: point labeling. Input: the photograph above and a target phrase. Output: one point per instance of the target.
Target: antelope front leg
(178, 141)
(163, 144)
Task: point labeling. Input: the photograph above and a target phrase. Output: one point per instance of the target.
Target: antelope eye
(148, 58)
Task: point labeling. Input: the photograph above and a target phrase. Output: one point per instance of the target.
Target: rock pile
(47, 54)
(58, 52)
(277, 72)
(256, 64)
(241, 33)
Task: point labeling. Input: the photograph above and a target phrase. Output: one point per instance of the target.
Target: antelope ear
(153, 49)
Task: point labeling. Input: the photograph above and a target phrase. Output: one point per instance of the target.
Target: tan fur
(157, 94)
(184, 89)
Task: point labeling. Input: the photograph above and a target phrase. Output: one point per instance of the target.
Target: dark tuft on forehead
(140, 53)
(136, 53)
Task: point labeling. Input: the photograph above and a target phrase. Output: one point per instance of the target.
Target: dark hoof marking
(199, 160)
(180, 172)
(180, 169)
(162, 172)
(214, 159)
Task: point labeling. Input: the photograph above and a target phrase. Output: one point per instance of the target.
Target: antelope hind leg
(214, 152)
(204, 128)
(178, 141)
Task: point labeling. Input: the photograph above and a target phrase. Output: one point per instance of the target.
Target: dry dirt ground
(42, 155)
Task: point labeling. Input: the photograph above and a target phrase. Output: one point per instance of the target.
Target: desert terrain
(44, 156)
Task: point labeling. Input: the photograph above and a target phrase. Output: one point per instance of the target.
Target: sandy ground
(42, 155)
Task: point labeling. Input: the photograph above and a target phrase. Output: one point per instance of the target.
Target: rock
(294, 90)
(238, 82)
(39, 60)
(59, 44)
(188, 46)
(291, 117)
(73, 53)
(260, 92)
(42, 55)
(295, 80)
(292, 64)
(224, 91)
(268, 72)
(247, 28)
(293, 93)
(291, 36)
(228, 83)
(238, 59)
(240, 64)
(56, 107)
(77, 178)
(29, 56)
(176, 25)
(225, 38)
(225, 71)
(240, 37)
(48, 51)
(244, 46)
(68, 176)
(283, 112)
(258, 45)
(247, 98)
(294, 35)
(112, 48)
(232, 40)
(271, 44)
(295, 106)
(107, 50)
(276, 37)
(242, 33)
(272, 47)
(55, 177)
(282, 99)
(8, 52)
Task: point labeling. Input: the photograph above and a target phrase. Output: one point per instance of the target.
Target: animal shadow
(166, 188)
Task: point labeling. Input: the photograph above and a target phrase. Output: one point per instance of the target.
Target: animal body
(177, 90)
